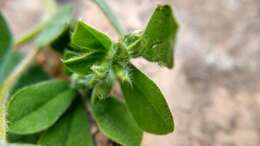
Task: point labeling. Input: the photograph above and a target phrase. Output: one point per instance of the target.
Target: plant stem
(7, 86)
(2, 121)
(9, 82)
(50, 8)
(29, 36)
(110, 15)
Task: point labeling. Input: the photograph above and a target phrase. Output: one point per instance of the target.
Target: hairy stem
(110, 15)
(2, 121)
(10, 81)
(7, 86)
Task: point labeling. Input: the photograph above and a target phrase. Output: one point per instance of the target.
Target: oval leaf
(116, 123)
(147, 104)
(5, 36)
(159, 36)
(87, 38)
(37, 107)
(55, 26)
(72, 129)
(62, 42)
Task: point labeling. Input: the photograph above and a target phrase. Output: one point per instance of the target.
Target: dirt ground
(214, 89)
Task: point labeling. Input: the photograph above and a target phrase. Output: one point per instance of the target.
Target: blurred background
(214, 89)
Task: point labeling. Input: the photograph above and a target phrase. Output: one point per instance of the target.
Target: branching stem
(28, 36)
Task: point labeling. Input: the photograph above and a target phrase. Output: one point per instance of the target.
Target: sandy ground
(214, 89)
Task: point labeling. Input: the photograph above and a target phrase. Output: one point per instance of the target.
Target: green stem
(50, 5)
(110, 15)
(7, 86)
(50, 8)
(29, 36)
(13, 77)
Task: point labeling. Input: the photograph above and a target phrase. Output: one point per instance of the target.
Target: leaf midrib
(36, 109)
(152, 105)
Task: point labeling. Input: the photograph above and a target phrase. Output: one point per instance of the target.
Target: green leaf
(89, 47)
(14, 138)
(6, 38)
(147, 104)
(10, 60)
(81, 62)
(62, 42)
(160, 35)
(7, 62)
(37, 107)
(72, 129)
(87, 38)
(55, 26)
(116, 123)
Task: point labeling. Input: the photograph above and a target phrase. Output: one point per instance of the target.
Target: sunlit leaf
(37, 107)
(87, 38)
(147, 104)
(159, 36)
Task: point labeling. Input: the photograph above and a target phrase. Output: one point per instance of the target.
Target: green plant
(52, 112)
